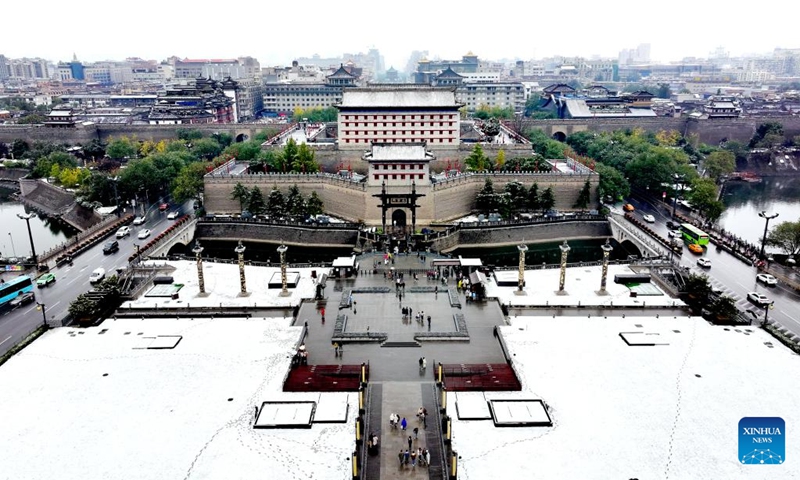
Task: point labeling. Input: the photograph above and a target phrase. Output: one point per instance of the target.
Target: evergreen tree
(548, 200)
(584, 197)
(295, 204)
(517, 195)
(533, 197)
(314, 206)
(290, 154)
(276, 203)
(240, 193)
(256, 204)
(304, 161)
(486, 201)
(477, 159)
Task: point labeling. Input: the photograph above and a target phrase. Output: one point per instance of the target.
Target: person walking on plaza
(405, 457)
(410, 442)
(401, 456)
(413, 458)
(416, 433)
(403, 424)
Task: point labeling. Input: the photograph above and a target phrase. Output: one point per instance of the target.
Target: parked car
(22, 299)
(758, 298)
(173, 215)
(767, 279)
(123, 232)
(45, 279)
(695, 248)
(163, 207)
(139, 220)
(704, 262)
(111, 247)
(628, 207)
(649, 218)
(144, 233)
(97, 275)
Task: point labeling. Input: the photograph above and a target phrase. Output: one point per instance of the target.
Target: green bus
(692, 234)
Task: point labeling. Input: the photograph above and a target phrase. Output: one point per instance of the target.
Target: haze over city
(277, 33)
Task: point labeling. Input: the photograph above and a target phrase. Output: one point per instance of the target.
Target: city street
(731, 275)
(72, 280)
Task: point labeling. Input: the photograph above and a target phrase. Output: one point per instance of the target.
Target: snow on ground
(581, 285)
(222, 286)
(89, 403)
(623, 412)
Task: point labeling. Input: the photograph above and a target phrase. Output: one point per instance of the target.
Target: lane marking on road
(7, 339)
(790, 317)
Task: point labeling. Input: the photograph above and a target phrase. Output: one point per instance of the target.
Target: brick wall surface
(290, 235)
(514, 235)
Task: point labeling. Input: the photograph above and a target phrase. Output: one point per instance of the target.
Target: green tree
(533, 197)
(314, 205)
(290, 154)
(663, 91)
(612, 183)
(82, 307)
(295, 204)
(224, 139)
(500, 161)
(486, 200)
(241, 193)
(276, 204)
(122, 148)
(206, 148)
(43, 167)
(255, 201)
(719, 163)
(703, 197)
(304, 161)
(724, 308)
(697, 290)
(19, 148)
(786, 236)
(189, 183)
(517, 196)
(477, 160)
(33, 118)
(548, 200)
(94, 150)
(189, 135)
(584, 196)
(244, 151)
(766, 135)
(545, 146)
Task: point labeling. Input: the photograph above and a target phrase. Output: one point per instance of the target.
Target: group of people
(300, 357)
(411, 456)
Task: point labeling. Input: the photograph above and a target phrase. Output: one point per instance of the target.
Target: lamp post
(521, 280)
(563, 276)
(606, 252)
(116, 197)
(763, 214)
(41, 307)
(240, 252)
(137, 259)
(13, 249)
(675, 195)
(27, 217)
(197, 251)
(282, 251)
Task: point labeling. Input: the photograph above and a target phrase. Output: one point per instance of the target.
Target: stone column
(521, 279)
(242, 282)
(563, 276)
(282, 251)
(197, 251)
(606, 251)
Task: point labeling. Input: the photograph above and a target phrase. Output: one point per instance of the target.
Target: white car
(674, 234)
(139, 220)
(649, 218)
(144, 233)
(758, 298)
(173, 215)
(767, 279)
(704, 262)
(123, 232)
(97, 275)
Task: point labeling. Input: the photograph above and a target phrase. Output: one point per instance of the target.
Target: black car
(673, 225)
(23, 299)
(111, 247)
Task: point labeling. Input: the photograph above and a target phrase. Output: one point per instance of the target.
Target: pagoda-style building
(203, 101)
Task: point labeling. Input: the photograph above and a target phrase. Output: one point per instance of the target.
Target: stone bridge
(623, 232)
(178, 234)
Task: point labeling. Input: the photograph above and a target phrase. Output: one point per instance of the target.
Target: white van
(97, 275)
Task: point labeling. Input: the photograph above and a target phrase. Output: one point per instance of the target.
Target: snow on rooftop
(222, 286)
(620, 412)
(91, 403)
(581, 285)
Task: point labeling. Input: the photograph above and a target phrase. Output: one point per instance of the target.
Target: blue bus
(14, 287)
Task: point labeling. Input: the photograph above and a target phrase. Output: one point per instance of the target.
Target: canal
(14, 241)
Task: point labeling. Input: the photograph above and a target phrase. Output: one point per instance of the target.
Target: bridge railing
(55, 251)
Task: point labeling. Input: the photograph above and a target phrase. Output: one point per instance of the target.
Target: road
(72, 280)
(731, 275)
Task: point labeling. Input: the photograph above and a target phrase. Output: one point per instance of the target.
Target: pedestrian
(401, 456)
(420, 456)
(413, 458)
(425, 420)
(403, 424)
(420, 363)
(405, 457)
(410, 442)
(416, 433)
(424, 363)
(429, 322)
(427, 456)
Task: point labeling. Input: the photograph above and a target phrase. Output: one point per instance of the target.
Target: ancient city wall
(487, 234)
(269, 233)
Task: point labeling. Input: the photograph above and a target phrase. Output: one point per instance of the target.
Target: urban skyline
(447, 33)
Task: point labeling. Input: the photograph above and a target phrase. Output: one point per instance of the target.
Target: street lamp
(27, 217)
(116, 197)
(675, 195)
(763, 214)
(13, 248)
(41, 307)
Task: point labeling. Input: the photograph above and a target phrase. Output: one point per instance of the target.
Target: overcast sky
(276, 32)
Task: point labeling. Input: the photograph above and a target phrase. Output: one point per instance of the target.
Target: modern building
(398, 114)
(215, 69)
(23, 68)
(285, 98)
(427, 70)
(249, 98)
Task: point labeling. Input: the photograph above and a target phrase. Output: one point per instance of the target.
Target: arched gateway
(398, 169)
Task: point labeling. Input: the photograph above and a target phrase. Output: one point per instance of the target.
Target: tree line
(276, 204)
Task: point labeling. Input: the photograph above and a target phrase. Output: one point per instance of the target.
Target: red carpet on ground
(479, 377)
(324, 378)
